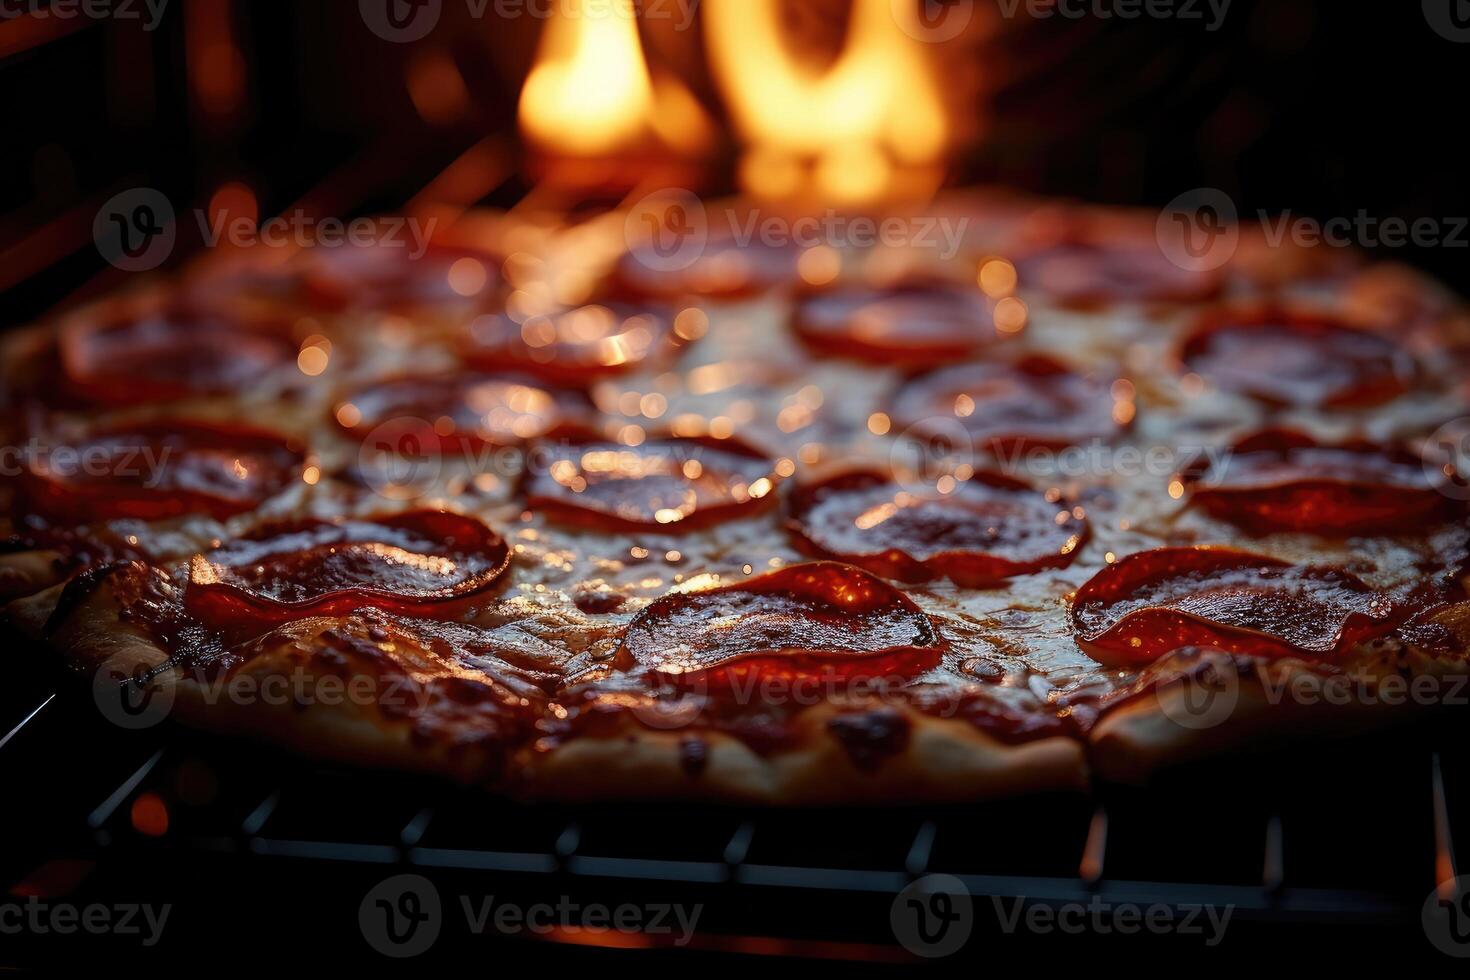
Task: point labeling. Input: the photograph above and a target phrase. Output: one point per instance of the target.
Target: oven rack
(1345, 836)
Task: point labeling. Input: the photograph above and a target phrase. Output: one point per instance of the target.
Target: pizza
(783, 526)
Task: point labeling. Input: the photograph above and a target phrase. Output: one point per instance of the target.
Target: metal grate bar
(30, 717)
(104, 812)
(255, 822)
(413, 831)
(1444, 845)
(921, 849)
(1094, 852)
(1273, 868)
(325, 850)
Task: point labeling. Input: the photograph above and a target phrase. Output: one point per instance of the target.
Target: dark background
(1318, 106)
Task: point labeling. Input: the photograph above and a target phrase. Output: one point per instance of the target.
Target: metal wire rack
(1344, 838)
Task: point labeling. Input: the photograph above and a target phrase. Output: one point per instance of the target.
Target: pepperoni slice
(1296, 358)
(160, 469)
(402, 276)
(129, 355)
(822, 619)
(912, 326)
(1155, 602)
(1087, 273)
(665, 485)
(571, 347)
(1280, 480)
(723, 270)
(450, 413)
(990, 529)
(429, 564)
(1003, 406)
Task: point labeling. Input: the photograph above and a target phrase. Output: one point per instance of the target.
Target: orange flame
(590, 92)
(859, 124)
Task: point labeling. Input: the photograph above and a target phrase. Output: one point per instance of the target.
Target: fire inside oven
(556, 135)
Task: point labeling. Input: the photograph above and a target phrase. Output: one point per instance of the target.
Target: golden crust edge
(943, 761)
(338, 729)
(1166, 728)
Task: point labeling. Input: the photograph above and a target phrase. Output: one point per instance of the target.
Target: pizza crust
(1197, 717)
(305, 715)
(24, 573)
(943, 761)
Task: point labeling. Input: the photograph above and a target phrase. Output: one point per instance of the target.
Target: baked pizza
(767, 524)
